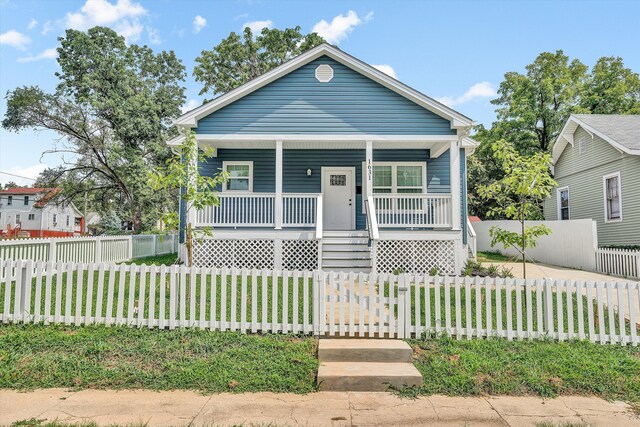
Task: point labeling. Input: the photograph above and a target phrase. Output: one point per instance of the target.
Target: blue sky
(455, 51)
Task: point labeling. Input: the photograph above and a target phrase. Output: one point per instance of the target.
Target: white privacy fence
(572, 243)
(88, 249)
(619, 262)
(344, 304)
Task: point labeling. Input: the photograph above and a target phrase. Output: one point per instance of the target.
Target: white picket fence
(619, 262)
(88, 249)
(317, 302)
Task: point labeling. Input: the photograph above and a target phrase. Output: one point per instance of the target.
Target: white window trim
(604, 196)
(394, 177)
(239, 163)
(559, 201)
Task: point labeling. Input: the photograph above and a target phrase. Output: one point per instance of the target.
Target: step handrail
(372, 221)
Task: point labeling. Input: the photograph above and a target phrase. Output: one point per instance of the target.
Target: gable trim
(190, 119)
(566, 138)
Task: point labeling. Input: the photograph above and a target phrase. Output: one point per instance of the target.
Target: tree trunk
(189, 244)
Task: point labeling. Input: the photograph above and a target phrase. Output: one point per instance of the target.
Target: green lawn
(541, 368)
(494, 256)
(167, 259)
(121, 357)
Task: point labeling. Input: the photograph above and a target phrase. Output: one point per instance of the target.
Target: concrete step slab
(364, 350)
(366, 376)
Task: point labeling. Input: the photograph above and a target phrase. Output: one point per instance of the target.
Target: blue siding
(296, 163)
(349, 104)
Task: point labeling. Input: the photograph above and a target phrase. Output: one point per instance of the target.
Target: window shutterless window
(612, 197)
(26, 200)
(401, 177)
(55, 219)
(32, 217)
(240, 176)
(17, 218)
(9, 200)
(68, 217)
(563, 203)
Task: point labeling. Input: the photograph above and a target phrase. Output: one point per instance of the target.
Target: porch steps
(365, 365)
(346, 251)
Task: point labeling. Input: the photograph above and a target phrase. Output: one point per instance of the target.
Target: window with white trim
(400, 177)
(563, 203)
(68, 218)
(55, 219)
(612, 197)
(9, 200)
(32, 217)
(17, 219)
(26, 200)
(240, 176)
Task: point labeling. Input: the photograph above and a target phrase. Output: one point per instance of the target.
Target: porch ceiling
(328, 142)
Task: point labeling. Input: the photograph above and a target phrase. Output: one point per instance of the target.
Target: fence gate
(362, 305)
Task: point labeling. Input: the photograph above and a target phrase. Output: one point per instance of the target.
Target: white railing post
(454, 162)
(278, 201)
(52, 250)
(98, 251)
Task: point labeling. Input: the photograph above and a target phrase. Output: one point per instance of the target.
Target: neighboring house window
(9, 200)
(563, 203)
(612, 197)
(32, 217)
(55, 219)
(18, 219)
(26, 200)
(582, 145)
(68, 217)
(240, 176)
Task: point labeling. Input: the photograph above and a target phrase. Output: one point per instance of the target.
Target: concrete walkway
(183, 408)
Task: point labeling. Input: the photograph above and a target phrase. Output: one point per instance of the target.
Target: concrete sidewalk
(182, 408)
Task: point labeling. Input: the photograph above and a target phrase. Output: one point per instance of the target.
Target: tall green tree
(611, 88)
(112, 110)
(239, 59)
(539, 102)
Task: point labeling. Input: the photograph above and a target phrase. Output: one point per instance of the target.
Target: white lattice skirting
(300, 255)
(416, 256)
(240, 253)
(257, 253)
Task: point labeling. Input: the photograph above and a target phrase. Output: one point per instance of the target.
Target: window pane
(409, 190)
(381, 190)
(564, 198)
(409, 176)
(238, 170)
(564, 212)
(240, 184)
(381, 176)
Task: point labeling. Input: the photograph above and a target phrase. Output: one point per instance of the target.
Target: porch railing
(257, 210)
(413, 210)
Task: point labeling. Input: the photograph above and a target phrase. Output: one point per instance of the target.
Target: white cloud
(199, 23)
(340, 27)
(387, 69)
(32, 24)
(153, 35)
(257, 26)
(193, 103)
(478, 90)
(45, 54)
(15, 39)
(46, 27)
(29, 172)
(123, 16)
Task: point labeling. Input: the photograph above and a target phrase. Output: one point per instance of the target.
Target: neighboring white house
(32, 212)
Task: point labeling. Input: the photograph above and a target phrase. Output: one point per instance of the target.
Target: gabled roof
(621, 131)
(25, 191)
(190, 119)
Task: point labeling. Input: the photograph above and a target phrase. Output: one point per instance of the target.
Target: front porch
(360, 203)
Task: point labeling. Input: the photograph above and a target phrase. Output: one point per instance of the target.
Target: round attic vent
(324, 73)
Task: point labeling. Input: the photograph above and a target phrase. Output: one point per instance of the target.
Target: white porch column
(193, 166)
(454, 162)
(369, 169)
(278, 201)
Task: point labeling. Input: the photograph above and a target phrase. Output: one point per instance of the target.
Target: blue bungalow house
(333, 165)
